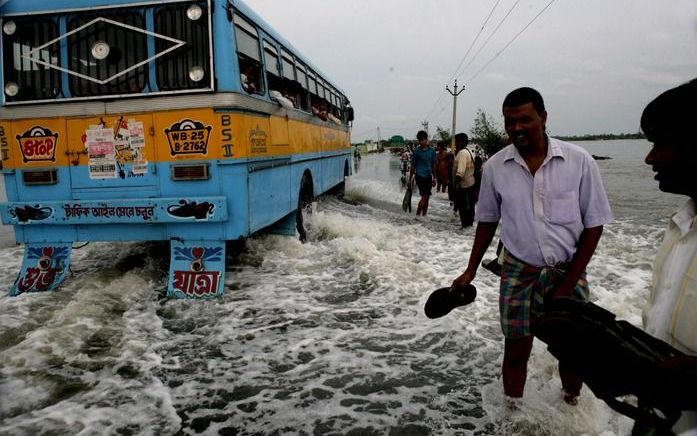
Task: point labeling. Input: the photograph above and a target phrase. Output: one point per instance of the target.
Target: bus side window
(301, 80)
(250, 76)
(248, 55)
(334, 108)
(315, 99)
(273, 70)
(319, 108)
(334, 113)
(290, 88)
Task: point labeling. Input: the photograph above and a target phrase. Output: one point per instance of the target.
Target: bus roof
(42, 6)
(14, 7)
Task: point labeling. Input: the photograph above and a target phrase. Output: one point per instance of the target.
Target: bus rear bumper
(44, 267)
(197, 264)
(115, 211)
(196, 269)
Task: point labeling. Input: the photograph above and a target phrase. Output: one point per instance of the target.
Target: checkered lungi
(523, 291)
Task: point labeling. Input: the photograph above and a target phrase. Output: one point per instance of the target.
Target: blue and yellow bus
(186, 121)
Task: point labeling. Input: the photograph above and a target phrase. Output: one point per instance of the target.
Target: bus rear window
(124, 49)
(35, 81)
(190, 68)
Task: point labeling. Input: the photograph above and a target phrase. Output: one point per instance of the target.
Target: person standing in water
(463, 173)
(423, 170)
(549, 197)
(442, 164)
(671, 311)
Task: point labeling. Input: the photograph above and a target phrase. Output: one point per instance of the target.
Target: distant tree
(397, 139)
(487, 133)
(602, 136)
(442, 135)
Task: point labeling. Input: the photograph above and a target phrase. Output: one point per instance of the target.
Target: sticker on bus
(38, 144)
(101, 152)
(136, 134)
(188, 137)
(257, 141)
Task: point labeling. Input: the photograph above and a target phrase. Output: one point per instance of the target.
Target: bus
(190, 122)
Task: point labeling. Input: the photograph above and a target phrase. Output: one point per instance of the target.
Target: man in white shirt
(463, 176)
(671, 313)
(550, 199)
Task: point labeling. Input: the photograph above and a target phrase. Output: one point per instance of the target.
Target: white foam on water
(325, 337)
(66, 373)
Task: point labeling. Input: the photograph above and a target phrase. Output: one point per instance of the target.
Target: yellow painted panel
(169, 137)
(315, 144)
(188, 134)
(279, 135)
(330, 139)
(77, 128)
(231, 135)
(300, 136)
(254, 135)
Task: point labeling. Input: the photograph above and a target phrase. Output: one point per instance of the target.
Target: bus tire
(305, 198)
(342, 186)
(340, 189)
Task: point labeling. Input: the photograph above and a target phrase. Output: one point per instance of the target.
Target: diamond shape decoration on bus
(35, 54)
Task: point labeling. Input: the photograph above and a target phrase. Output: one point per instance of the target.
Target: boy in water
(423, 168)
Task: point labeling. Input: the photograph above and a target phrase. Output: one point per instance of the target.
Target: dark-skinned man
(550, 199)
(671, 313)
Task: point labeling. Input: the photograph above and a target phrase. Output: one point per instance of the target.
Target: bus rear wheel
(305, 198)
(340, 189)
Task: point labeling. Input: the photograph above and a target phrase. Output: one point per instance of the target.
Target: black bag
(616, 359)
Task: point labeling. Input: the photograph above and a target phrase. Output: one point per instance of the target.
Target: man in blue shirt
(423, 165)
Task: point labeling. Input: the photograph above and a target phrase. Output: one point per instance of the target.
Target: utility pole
(454, 94)
(424, 124)
(379, 146)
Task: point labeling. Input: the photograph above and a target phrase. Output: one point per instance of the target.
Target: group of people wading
(549, 197)
(458, 175)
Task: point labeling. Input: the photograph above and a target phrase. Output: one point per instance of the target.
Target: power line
(509, 43)
(498, 26)
(435, 105)
(491, 12)
(474, 41)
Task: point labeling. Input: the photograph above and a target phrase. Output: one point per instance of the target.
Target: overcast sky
(596, 62)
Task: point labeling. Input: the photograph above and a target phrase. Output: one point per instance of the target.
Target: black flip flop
(443, 300)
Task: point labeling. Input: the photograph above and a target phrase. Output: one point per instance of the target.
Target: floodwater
(323, 338)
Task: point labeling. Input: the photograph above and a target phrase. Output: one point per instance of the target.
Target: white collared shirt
(542, 216)
(681, 241)
(464, 167)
